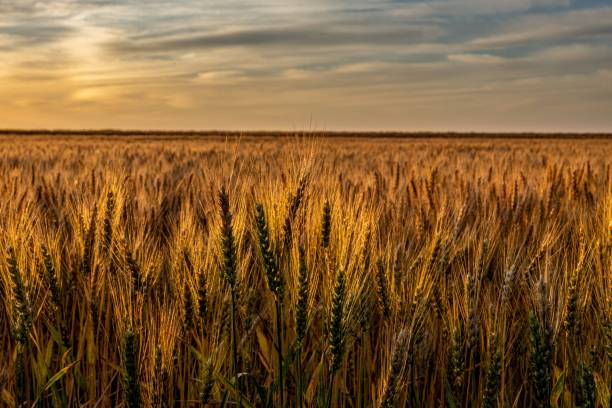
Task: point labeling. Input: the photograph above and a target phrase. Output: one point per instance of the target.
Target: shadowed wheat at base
(302, 273)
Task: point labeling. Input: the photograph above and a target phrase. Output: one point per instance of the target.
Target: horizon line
(287, 133)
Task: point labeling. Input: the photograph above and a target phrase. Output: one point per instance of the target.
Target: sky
(441, 65)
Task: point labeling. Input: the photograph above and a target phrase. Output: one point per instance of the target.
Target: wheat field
(305, 272)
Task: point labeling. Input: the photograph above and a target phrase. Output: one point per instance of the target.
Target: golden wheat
(159, 271)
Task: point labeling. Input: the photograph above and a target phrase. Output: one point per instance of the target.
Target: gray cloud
(309, 36)
(12, 7)
(34, 33)
(35, 7)
(539, 29)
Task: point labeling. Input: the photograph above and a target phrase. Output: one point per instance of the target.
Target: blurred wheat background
(305, 272)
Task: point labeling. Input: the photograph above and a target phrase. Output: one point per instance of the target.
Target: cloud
(313, 35)
(363, 68)
(481, 7)
(475, 58)
(51, 8)
(580, 25)
(467, 8)
(582, 53)
(32, 33)
(220, 77)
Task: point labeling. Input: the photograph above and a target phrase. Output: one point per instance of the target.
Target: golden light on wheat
(305, 272)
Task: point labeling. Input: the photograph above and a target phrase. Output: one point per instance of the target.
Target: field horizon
(207, 133)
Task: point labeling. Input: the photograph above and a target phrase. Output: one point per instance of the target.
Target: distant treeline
(263, 133)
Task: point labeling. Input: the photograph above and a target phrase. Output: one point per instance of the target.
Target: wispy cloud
(476, 58)
(541, 29)
(312, 35)
(32, 33)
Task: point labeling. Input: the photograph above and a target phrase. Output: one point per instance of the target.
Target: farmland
(305, 271)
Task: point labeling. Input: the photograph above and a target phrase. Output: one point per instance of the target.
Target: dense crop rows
(300, 272)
